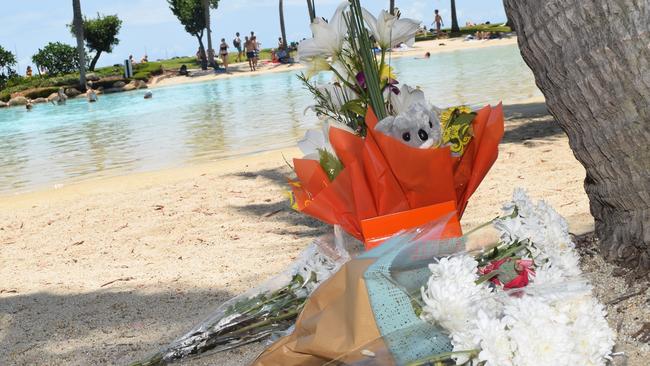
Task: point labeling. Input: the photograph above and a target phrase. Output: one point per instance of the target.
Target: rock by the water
(3, 104)
(72, 92)
(119, 84)
(92, 77)
(17, 101)
(39, 100)
(130, 86)
(141, 84)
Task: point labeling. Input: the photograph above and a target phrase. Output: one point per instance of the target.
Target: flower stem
(443, 357)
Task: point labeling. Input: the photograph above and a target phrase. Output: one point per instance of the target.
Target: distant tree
(454, 18)
(7, 62)
(191, 14)
(58, 58)
(100, 35)
(77, 21)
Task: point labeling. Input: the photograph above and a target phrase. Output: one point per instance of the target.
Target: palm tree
(392, 7)
(77, 22)
(284, 33)
(454, 18)
(311, 7)
(206, 10)
(593, 84)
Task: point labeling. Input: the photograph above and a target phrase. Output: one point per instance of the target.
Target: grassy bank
(44, 85)
(494, 28)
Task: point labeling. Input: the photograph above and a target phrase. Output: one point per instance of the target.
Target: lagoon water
(189, 123)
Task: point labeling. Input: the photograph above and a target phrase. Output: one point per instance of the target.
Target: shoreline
(242, 70)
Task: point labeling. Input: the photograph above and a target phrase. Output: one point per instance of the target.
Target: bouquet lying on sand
(396, 173)
(385, 159)
(421, 300)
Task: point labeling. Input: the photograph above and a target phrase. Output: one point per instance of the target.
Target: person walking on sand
(223, 53)
(237, 44)
(438, 21)
(256, 46)
(250, 53)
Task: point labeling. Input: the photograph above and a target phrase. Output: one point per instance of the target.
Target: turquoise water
(189, 123)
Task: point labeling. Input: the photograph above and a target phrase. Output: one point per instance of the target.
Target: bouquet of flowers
(385, 159)
(267, 310)
(422, 300)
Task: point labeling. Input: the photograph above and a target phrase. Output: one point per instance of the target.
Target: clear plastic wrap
(269, 310)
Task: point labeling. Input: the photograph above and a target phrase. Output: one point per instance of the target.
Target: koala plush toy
(417, 126)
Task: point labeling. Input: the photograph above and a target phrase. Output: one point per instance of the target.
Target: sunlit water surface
(198, 122)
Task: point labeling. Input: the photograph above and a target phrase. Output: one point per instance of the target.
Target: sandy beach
(418, 50)
(108, 270)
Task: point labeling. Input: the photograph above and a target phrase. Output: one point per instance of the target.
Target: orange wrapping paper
(383, 176)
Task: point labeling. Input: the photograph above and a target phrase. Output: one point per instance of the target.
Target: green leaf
(507, 271)
(354, 106)
(330, 163)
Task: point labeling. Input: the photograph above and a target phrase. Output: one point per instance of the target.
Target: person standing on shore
(256, 48)
(237, 44)
(438, 21)
(223, 53)
(250, 53)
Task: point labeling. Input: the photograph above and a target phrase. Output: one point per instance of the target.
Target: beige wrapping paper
(336, 325)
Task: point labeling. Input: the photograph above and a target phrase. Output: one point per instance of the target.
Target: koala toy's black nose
(423, 135)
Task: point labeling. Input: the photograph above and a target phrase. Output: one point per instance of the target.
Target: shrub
(59, 58)
(144, 71)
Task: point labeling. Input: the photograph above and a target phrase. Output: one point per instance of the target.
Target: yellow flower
(457, 132)
(386, 73)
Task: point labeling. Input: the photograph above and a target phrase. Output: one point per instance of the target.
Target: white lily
(328, 37)
(318, 139)
(390, 31)
(407, 97)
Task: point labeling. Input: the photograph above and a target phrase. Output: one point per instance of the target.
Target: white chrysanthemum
(592, 336)
(540, 334)
(452, 298)
(494, 341)
(463, 342)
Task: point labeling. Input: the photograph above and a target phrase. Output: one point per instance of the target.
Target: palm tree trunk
(454, 18)
(590, 59)
(93, 62)
(312, 10)
(79, 33)
(284, 33)
(206, 10)
(204, 60)
(392, 7)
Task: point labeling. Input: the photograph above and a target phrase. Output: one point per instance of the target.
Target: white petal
(403, 31)
(311, 142)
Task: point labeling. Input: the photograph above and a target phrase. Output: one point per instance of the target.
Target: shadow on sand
(302, 226)
(530, 121)
(113, 322)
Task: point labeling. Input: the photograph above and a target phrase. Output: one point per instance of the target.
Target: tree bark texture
(392, 7)
(77, 20)
(206, 10)
(93, 62)
(282, 29)
(454, 18)
(591, 59)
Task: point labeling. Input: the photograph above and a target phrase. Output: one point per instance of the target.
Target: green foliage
(494, 28)
(330, 163)
(191, 14)
(100, 34)
(144, 71)
(59, 58)
(7, 61)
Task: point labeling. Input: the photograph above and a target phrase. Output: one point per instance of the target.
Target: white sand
(179, 242)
